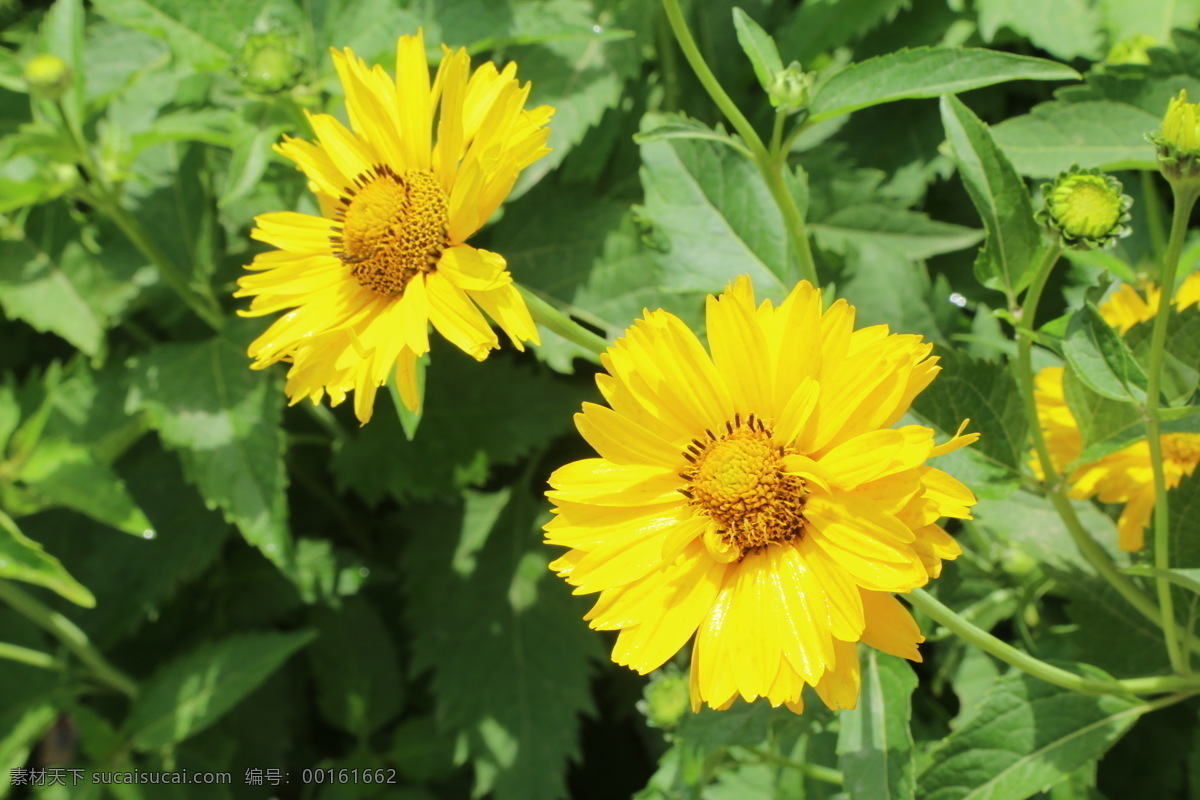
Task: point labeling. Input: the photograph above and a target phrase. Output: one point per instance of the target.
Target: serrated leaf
(477, 417)
(509, 653)
(1180, 367)
(927, 72)
(65, 473)
(714, 215)
(819, 26)
(1027, 735)
(1107, 426)
(1067, 29)
(984, 392)
(1101, 359)
(875, 745)
(1000, 196)
(224, 419)
(203, 39)
(759, 47)
(23, 559)
(356, 669)
(1033, 526)
(1054, 136)
(190, 693)
(907, 233)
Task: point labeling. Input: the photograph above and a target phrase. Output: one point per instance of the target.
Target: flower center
(392, 226)
(1086, 206)
(737, 479)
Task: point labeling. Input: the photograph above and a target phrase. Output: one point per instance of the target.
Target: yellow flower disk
(388, 255)
(754, 497)
(1125, 476)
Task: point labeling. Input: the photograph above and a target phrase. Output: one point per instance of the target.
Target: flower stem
(1185, 198)
(769, 163)
(69, 634)
(940, 613)
(1052, 482)
(554, 320)
(105, 198)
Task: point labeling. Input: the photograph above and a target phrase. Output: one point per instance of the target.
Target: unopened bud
(48, 76)
(791, 88)
(1087, 208)
(269, 63)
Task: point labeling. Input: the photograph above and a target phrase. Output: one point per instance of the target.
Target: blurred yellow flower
(388, 256)
(758, 497)
(1126, 475)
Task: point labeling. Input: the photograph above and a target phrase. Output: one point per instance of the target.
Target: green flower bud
(269, 63)
(791, 88)
(667, 699)
(48, 76)
(1131, 50)
(1086, 208)
(1178, 142)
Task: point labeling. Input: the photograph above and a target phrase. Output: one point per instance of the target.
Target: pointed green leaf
(759, 47)
(1101, 133)
(22, 559)
(1101, 358)
(927, 72)
(190, 693)
(1000, 196)
(1026, 735)
(907, 233)
(224, 419)
(875, 746)
(1066, 29)
(410, 420)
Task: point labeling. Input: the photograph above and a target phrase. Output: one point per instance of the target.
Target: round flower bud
(791, 88)
(48, 76)
(1178, 142)
(666, 699)
(269, 63)
(1131, 50)
(1086, 208)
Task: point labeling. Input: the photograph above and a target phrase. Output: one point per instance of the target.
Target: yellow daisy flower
(758, 497)
(1125, 476)
(388, 255)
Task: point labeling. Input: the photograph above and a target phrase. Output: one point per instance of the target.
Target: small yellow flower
(1131, 50)
(1087, 208)
(758, 497)
(1125, 476)
(388, 255)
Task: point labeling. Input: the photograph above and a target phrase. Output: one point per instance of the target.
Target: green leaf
(1100, 133)
(410, 420)
(819, 26)
(984, 392)
(910, 234)
(1101, 359)
(224, 419)
(63, 35)
(190, 693)
(1031, 525)
(927, 72)
(1181, 372)
(509, 652)
(64, 473)
(679, 127)
(1013, 238)
(875, 746)
(759, 47)
(477, 417)
(1187, 578)
(204, 39)
(355, 668)
(1027, 735)
(22, 559)
(714, 215)
(1183, 503)
(1067, 29)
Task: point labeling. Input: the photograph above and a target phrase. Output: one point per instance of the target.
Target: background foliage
(287, 590)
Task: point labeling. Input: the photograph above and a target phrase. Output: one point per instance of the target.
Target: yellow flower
(388, 255)
(1121, 477)
(1125, 308)
(758, 497)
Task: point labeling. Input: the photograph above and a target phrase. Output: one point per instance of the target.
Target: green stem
(554, 320)
(972, 634)
(814, 771)
(25, 655)
(105, 199)
(1052, 482)
(769, 163)
(1185, 198)
(69, 634)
